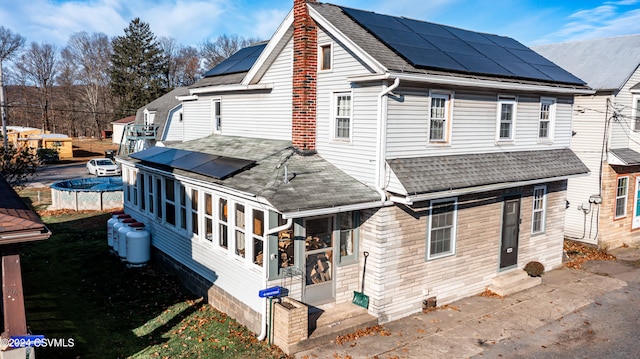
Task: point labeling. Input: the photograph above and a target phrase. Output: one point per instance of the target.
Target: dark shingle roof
(441, 173)
(231, 79)
(314, 183)
(627, 155)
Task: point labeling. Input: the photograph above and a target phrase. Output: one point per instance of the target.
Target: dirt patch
(86, 148)
(578, 253)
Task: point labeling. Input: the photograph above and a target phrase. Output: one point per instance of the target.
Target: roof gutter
(231, 88)
(472, 82)
(409, 200)
(334, 210)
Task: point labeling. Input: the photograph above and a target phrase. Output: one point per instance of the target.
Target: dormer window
(325, 57)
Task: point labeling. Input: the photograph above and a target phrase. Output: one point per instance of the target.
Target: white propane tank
(138, 246)
(122, 238)
(113, 220)
(121, 219)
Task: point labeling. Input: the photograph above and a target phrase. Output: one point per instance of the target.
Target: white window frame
(335, 117)
(219, 222)
(240, 229)
(194, 211)
(182, 202)
(539, 206)
(623, 197)
(506, 100)
(209, 218)
(446, 128)
(454, 227)
(167, 202)
(552, 102)
(216, 118)
(258, 236)
(151, 205)
(321, 48)
(635, 113)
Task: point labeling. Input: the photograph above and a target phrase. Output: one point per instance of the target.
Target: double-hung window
(539, 209)
(547, 116)
(439, 117)
(441, 233)
(342, 116)
(506, 122)
(621, 197)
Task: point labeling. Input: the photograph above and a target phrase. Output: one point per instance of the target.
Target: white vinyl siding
(473, 124)
(635, 117)
(361, 149)
(240, 277)
(173, 129)
(197, 119)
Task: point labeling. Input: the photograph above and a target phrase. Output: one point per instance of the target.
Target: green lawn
(75, 289)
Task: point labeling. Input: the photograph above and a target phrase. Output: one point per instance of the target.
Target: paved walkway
(463, 328)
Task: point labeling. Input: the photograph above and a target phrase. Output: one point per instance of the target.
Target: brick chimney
(305, 60)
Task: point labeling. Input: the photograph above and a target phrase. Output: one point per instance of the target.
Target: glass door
(319, 261)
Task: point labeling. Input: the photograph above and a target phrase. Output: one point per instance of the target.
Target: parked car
(103, 167)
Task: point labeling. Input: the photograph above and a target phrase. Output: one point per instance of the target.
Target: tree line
(94, 80)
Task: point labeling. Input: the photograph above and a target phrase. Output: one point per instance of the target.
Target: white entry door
(636, 206)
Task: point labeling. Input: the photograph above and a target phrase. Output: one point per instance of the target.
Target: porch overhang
(426, 178)
(623, 157)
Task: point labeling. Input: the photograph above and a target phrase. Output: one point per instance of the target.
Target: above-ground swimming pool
(99, 194)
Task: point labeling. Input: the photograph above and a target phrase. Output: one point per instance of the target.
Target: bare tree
(38, 65)
(214, 52)
(184, 62)
(10, 44)
(87, 59)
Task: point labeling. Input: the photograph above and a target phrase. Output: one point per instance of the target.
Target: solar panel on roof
(193, 160)
(222, 167)
(241, 61)
(167, 157)
(448, 48)
(219, 167)
(142, 155)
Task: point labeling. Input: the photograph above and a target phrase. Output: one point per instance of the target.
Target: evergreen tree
(138, 68)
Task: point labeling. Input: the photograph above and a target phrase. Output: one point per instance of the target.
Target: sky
(191, 22)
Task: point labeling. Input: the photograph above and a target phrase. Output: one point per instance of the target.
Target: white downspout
(263, 329)
(381, 140)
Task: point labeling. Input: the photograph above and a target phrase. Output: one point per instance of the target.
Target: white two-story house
(605, 206)
(442, 152)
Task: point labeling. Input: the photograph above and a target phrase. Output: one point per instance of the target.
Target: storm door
(510, 232)
(319, 261)
(636, 206)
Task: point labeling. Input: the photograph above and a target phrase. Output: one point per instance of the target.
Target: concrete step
(327, 324)
(513, 282)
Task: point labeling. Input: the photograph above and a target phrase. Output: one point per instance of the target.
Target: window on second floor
(342, 116)
(546, 119)
(217, 115)
(506, 121)
(325, 57)
(636, 112)
(439, 118)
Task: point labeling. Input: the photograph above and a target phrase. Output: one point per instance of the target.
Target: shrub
(534, 269)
